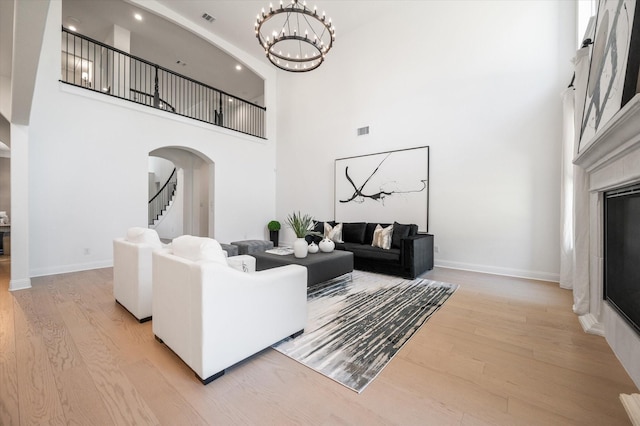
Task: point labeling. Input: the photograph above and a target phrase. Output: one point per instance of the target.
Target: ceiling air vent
(208, 17)
(363, 131)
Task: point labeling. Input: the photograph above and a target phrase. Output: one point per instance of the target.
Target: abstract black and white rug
(357, 324)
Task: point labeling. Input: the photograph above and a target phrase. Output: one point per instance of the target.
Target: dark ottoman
(320, 266)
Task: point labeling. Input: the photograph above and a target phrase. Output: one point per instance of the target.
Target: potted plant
(273, 227)
(302, 225)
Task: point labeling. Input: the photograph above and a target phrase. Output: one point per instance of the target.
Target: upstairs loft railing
(96, 66)
(159, 202)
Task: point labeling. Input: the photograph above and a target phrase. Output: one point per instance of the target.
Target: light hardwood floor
(501, 351)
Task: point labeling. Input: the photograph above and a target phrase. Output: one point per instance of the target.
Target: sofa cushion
(334, 233)
(382, 237)
(354, 232)
(140, 235)
(364, 251)
(400, 231)
(198, 248)
(368, 233)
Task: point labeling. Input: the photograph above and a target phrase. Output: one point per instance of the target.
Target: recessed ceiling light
(138, 16)
(239, 67)
(72, 23)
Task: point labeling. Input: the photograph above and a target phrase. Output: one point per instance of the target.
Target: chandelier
(294, 37)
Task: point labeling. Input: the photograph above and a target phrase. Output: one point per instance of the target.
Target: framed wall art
(384, 187)
(613, 69)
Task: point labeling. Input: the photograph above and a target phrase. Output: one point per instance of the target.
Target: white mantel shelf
(615, 139)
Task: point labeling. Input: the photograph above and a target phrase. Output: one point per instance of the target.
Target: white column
(120, 38)
(20, 278)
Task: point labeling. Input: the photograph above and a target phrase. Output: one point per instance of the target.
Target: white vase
(327, 245)
(313, 247)
(300, 248)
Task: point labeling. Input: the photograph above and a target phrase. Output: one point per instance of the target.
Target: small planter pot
(273, 236)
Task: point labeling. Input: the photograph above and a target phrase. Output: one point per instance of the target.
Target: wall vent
(208, 17)
(363, 131)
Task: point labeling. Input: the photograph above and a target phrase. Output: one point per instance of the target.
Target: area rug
(357, 323)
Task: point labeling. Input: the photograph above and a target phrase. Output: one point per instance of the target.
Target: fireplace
(609, 165)
(622, 253)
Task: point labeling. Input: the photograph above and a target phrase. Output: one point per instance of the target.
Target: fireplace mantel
(610, 160)
(615, 139)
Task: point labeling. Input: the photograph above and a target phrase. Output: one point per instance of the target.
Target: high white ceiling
(235, 19)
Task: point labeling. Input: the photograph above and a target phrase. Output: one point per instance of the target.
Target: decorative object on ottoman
(274, 228)
(313, 247)
(252, 246)
(302, 225)
(213, 316)
(327, 245)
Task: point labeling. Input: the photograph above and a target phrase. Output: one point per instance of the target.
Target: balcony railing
(96, 66)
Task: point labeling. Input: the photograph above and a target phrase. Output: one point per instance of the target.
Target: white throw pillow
(198, 248)
(334, 233)
(382, 237)
(140, 235)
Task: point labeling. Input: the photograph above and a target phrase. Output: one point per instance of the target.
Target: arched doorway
(191, 211)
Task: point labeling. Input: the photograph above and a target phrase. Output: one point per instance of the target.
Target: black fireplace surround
(622, 252)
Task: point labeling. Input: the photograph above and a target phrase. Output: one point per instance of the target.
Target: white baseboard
(591, 325)
(63, 269)
(19, 284)
(533, 275)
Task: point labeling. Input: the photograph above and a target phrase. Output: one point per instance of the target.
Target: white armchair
(213, 315)
(132, 270)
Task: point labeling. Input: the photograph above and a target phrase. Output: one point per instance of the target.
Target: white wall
(161, 170)
(477, 81)
(88, 164)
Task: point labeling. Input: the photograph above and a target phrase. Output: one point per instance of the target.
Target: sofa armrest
(416, 254)
(242, 262)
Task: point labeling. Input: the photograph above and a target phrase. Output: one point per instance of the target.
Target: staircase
(161, 202)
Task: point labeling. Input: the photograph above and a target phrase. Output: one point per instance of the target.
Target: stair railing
(159, 202)
(95, 66)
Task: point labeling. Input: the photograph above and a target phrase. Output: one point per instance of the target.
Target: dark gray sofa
(410, 254)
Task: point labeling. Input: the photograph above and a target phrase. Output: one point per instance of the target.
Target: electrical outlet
(436, 249)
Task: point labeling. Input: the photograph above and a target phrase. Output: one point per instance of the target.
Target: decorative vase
(327, 245)
(313, 247)
(273, 236)
(300, 248)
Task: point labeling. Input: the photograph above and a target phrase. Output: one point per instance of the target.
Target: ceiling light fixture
(298, 38)
(138, 16)
(72, 23)
(239, 67)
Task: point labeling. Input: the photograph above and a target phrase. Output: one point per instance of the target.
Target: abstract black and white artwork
(608, 67)
(384, 187)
